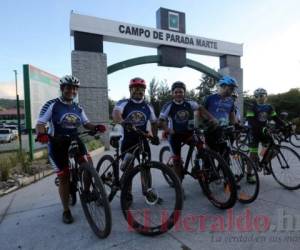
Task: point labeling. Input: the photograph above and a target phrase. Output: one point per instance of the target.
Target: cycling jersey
(259, 114)
(179, 115)
(64, 118)
(139, 113)
(220, 107)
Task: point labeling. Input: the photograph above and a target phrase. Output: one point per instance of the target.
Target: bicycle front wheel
(245, 175)
(164, 157)
(216, 180)
(94, 201)
(106, 172)
(295, 140)
(149, 204)
(285, 165)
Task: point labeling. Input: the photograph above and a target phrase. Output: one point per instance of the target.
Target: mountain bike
(149, 205)
(209, 168)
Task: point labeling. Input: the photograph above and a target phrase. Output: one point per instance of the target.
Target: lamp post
(18, 113)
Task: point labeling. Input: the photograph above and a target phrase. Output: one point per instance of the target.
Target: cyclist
(138, 112)
(221, 106)
(257, 116)
(177, 120)
(64, 116)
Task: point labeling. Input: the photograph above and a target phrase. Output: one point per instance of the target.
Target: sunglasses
(260, 96)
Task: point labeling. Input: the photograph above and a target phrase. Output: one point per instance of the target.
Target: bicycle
(85, 180)
(147, 175)
(209, 168)
(241, 165)
(278, 159)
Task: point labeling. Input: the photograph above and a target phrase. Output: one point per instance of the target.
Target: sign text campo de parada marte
(167, 36)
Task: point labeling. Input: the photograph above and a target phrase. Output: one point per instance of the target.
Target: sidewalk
(30, 218)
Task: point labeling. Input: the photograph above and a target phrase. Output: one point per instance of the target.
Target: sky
(37, 32)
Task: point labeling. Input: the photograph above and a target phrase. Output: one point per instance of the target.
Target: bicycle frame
(137, 149)
(195, 141)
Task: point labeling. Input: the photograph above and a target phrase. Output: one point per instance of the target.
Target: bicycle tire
(162, 151)
(107, 175)
(295, 140)
(229, 182)
(240, 176)
(279, 149)
(174, 216)
(101, 200)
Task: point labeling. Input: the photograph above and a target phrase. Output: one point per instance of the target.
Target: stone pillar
(231, 65)
(91, 69)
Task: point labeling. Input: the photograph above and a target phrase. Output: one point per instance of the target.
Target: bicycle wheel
(94, 201)
(295, 140)
(241, 165)
(285, 166)
(106, 173)
(216, 180)
(154, 207)
(164, 157)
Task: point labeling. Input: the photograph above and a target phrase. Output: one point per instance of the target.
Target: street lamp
(18, 113)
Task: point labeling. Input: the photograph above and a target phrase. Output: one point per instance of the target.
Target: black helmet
(178, 84)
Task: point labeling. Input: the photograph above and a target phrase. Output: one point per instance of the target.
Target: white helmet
(69, 80)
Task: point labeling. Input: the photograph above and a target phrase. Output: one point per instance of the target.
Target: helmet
(228, 81)
(178, 84)
(235, 94)
(137, 82)
(260, 91)
(69, 80)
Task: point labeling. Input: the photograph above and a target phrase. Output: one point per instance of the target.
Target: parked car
(14, 130)
(6, 135)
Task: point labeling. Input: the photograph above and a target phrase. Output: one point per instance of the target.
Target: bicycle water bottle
(126, 161)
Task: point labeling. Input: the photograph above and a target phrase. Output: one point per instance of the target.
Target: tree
(207, 86)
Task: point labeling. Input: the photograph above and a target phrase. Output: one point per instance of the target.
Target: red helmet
(137, 82)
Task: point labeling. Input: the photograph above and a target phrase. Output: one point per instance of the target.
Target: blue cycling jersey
(64, 118)
(220, 107)
(179, 115)
(138, 112)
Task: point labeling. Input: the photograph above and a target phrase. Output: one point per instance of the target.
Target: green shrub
(24, 161)
(93, 144)
(5, 167)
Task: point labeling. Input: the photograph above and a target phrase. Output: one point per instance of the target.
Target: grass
(9, 161)
(21, 162)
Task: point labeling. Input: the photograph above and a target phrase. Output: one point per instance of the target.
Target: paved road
(15, 144)
(31, 219)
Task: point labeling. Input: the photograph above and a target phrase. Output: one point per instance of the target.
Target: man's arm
(40, 128)
(204, 114)
(232, 118)
(117, 116)
(89, 126)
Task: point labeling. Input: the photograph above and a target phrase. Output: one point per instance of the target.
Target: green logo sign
(173, 21)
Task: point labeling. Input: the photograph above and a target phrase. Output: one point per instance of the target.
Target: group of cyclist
(176, 119)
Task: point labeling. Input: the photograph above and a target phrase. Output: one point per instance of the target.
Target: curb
(34, 178)
(25, 181)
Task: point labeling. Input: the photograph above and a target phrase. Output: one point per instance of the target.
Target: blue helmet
(228, 81)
